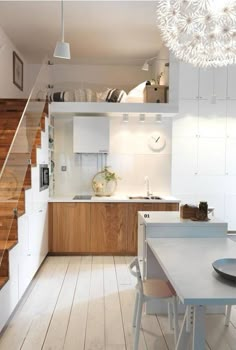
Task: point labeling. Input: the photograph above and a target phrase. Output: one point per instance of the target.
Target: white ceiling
(105, 32)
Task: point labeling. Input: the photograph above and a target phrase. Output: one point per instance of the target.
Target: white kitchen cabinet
(231, 118)
(211, 156)
(184, 155)
(231, 156)
(188, 81)
(212, 119)
(230, 217)
(185, 124)
(33, 245)
(9, 294)
(213, 82)
(24, 263)
(38, 237)
(231, 91)
(90, 134)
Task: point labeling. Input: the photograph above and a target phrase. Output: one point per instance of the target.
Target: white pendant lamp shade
(200, 32)
(145, 66)
(62, 49)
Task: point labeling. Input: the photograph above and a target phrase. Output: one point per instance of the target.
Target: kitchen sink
(145, 197)
(82, 197)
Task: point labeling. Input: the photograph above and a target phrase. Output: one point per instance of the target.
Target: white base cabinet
(24, 259)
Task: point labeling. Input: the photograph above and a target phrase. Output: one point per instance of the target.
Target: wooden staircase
(10, 114)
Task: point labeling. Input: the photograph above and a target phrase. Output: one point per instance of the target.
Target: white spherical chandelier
(201, 32)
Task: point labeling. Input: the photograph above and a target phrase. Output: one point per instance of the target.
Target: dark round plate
(226, 268)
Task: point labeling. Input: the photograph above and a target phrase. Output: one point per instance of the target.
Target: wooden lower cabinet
(69, 228)
(109, 228)
(97, 228)
(132, 241)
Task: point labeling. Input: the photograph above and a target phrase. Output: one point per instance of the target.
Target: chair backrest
(135, 271)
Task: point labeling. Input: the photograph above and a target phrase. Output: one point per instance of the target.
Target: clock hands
(155, 138)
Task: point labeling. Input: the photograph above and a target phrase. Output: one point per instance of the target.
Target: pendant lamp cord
(62, 22)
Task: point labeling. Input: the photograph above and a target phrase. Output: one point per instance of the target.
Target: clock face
(156, 142)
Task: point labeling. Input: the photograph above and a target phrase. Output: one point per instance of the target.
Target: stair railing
(13, 172)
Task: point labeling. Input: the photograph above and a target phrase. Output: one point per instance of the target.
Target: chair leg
(175, 314)
(170, 316)
(227, 314)
(138, 322)
(135, 309)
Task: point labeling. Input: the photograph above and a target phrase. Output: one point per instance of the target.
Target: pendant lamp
(200, 32)
(62, 49)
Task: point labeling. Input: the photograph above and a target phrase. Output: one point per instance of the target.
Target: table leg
(184, 336)
(199, 328)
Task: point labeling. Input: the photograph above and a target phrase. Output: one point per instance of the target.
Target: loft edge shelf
(112, 109)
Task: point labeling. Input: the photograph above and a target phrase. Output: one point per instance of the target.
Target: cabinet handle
(41, 210)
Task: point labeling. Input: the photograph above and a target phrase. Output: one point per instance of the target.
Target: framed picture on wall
(17, 71)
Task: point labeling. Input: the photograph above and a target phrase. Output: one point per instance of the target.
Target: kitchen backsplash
(130, 157)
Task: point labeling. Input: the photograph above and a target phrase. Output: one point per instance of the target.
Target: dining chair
(151, 289)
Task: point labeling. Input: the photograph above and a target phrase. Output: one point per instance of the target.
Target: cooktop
(82, 196)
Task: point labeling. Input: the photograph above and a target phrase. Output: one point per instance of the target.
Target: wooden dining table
(187, 263)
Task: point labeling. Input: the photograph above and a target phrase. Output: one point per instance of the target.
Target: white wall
(159, 66)
(117, 76)
(204, 140)
(7, 88)
(129, 157)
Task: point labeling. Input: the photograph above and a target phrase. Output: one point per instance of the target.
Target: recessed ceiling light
(142, 118)
(125, 118)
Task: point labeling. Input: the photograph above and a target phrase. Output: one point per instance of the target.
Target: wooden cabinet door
(165, 206)
(109, 227)
(71, 228)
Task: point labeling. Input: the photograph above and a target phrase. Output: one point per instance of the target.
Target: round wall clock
(156, 142)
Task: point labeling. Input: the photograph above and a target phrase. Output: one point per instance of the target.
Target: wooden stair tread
(3, 281)
(7, 245)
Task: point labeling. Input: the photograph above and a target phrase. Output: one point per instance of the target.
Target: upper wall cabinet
(231, 93)
(188, 81)
(90, 134)
(212, 119)
(213, 83)
(231, 118)
(200, 83)
(185, 124)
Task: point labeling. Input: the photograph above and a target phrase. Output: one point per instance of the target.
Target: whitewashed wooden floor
(86, 303)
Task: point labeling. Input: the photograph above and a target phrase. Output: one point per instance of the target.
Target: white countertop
(172, 218)
(116, 198)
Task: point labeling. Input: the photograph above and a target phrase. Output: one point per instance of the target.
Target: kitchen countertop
(163, 218)
(114, 199)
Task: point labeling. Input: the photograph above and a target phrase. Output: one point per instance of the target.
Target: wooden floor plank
(127, 297)
(76, 332)
(59, 322)
(218, 336)
(114, 331)
(14, 336)
(47, 302)
(95, 337)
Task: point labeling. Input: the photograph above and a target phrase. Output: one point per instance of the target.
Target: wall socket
(63, 168)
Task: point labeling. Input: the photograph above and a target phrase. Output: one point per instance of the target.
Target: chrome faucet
(147, 182)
